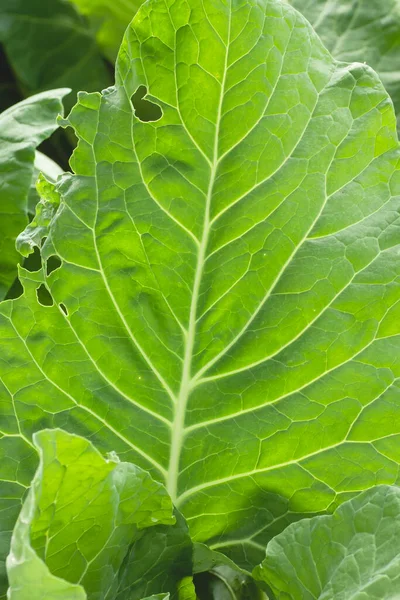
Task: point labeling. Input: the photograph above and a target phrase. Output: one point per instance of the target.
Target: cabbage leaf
(110, 19)
(226, 309)
(79, 521)
(24, 126)
(360, 30)
(48, 44)
(353, 553)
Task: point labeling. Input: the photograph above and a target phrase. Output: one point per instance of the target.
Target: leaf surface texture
(81, 519)
(353, 553)
(23, 127)
(226, 312)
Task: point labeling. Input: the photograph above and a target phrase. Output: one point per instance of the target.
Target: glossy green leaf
(23, 127)
(79, 520)
(110, 19)
(354, 553)
(49, 44)
(360, 30)
(226, 313)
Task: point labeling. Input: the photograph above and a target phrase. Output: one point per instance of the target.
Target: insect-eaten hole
(44, 296)
(144, 109)
(64, 309)
(34, 261)
(15, 291)
(52, 264)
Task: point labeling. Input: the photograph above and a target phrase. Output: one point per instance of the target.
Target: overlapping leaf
(226, 313)
(23, 127)
(79, 522)
(360, 30)
(351, 554)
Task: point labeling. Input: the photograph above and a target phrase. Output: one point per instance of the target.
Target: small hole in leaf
(64, 309)
(44, 296)
(52, 264)
(144, 109)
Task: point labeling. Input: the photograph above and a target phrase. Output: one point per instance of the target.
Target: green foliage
(352, 554)
(45, 211)
(110, 19)
(24, 126)
(217, 303)
(360, 30)
(229, 282)
(49, 45)
(79, 521)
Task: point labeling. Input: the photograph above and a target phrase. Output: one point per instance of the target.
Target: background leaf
(24, 126)
(110, 19)
(225, 313)
(353, 553)
(363, 31)
(48, 44)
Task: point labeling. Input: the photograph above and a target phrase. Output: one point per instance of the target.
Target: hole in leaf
(144, 109)
(34, 261)
(64, 309)
(15, 291)
(44, 296)
(52, 264)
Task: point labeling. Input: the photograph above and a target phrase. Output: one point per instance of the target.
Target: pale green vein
(87, 409)
(180, 410)
(157, 416)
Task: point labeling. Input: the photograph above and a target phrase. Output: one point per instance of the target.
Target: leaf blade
(79, 521)
(351, 553)
(274, 335)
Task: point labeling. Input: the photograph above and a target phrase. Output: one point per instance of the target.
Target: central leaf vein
(178, 426)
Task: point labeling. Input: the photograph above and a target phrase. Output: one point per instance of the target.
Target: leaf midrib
(178, 425)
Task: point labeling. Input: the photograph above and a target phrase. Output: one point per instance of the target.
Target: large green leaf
(78, 523)
(48, 45)
(226, 313)
(360, 30)
(110, 19)
(351, 554)
(23, 127)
